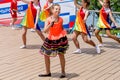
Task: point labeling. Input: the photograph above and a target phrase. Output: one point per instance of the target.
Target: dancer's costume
(44, 14)
(79, 23)
(30, 16)
(104, 21)
(56, 42)
(12, 8)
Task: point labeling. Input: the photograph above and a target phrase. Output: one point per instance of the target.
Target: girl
(44, 14)
(56, 42)
(30, 20)
(80, 26)
(13, 11)
(103, 22)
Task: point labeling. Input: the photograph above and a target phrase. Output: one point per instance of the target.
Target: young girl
(103, 22)
(44, 14)
(31, 19)
(13, 11)
(80, 26)
(56, 42)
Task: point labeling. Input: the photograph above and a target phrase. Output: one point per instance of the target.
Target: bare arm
(101, 2)
(26, 1)
(49, 6)
(48, 25)
(37, 17)
(112, 18)
(76, 4)
(86, 16)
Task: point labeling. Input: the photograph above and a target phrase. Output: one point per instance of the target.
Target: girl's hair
(109, 3)
(88, 2)
(52, 7)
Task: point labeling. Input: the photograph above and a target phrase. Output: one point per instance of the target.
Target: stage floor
(27, 64)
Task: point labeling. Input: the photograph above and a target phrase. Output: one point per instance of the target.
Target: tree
(115, 5)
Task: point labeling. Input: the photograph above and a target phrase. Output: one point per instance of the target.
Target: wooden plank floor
(27, 64)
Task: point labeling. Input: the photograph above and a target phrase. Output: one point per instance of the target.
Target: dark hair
(109, 3)
(88, 2)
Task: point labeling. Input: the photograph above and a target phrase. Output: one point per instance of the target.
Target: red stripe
(6, 1)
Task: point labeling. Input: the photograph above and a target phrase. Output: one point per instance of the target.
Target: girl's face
(106, 4)
(56, 10)
(51, 1)
(84, 4)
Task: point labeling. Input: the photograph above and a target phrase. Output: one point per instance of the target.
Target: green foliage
(115, 5)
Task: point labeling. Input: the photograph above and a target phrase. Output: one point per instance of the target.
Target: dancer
(13, 11)
(56, 42)
(103, 22)
(80, 26)
(44, 14)
(30, 20)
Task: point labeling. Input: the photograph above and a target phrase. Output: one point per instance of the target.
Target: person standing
(13, 11)
(56, 43)
(30, 20)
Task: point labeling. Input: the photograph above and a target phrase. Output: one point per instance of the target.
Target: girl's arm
(112, 19)
(101, 2)
(86, 16)
(49, 6)
(26, 1)
(37, 17)
(76, 4)
(48, 25)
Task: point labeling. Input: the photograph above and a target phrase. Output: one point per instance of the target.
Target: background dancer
(103, 22)
(80, 26)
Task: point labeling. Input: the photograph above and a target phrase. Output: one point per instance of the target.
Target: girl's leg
(62, 62)
(40, 34)
(24, 38)
(47, 65)
(14, 20)
(85, 39)
(98, 36)
(112, 36)
(74, 38)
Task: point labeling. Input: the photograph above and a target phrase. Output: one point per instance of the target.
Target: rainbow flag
(28, 19)
(102, 23)
(80, 25)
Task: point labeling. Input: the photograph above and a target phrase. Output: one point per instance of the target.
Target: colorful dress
(56, 42)
(44, 14)
(79, 25)
(30, 16)
(12, 8)
(104, 21)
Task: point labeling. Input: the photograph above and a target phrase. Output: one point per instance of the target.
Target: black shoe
(45, 75)
(62, 76)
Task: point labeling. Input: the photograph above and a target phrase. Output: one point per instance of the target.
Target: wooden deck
(27, 64)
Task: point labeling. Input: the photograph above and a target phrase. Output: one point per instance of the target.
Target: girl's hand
(53, 20)
(116, 25)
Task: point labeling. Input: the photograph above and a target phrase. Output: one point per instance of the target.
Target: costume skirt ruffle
(54, 47)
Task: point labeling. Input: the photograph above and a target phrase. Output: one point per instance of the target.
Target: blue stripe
(6, 10)
(64, 2)
(64, 14)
